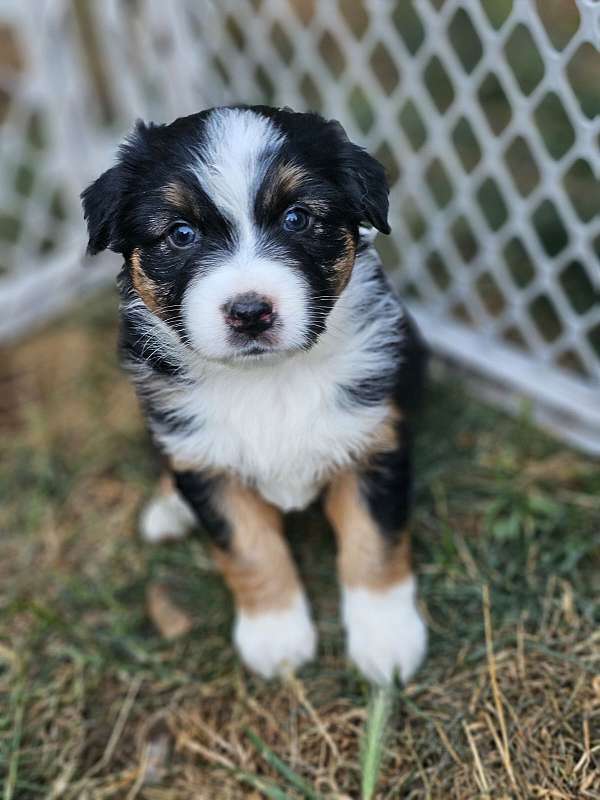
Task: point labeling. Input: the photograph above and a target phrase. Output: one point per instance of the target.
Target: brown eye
(295, 220)
(182, 235)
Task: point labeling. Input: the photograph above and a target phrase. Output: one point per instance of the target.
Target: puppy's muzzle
(249, 313)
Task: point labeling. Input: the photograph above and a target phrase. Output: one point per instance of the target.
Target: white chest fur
(280, 425)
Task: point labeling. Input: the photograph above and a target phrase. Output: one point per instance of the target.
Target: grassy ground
(96, 703)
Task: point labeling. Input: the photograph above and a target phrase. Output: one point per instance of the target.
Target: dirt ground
(97, 702)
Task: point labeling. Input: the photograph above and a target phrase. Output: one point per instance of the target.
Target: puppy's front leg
(273, 628)
(166, 516)
(368, 510)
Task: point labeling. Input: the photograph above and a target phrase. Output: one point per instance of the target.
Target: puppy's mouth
(259, 337)
(254, 347)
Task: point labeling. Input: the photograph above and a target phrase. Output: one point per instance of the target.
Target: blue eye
(296, 219)
(182, 235)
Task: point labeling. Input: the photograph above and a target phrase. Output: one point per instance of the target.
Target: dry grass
(95, 703)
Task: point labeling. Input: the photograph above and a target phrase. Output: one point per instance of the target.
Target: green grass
(95, 703)
(379, 712)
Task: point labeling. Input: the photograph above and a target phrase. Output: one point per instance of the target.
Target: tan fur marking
(289, 177)
(343, 266)
(258, 567)
(286, 179)
(166, 484)
(365, 559)
(179, 465)
(183, 198)
(386, 437)
(144, 286)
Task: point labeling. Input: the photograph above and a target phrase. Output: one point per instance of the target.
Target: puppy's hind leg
(166, 516)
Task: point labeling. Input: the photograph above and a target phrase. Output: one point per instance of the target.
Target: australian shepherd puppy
(274, 365)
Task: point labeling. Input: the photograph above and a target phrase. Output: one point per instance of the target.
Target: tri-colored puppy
(273, 363)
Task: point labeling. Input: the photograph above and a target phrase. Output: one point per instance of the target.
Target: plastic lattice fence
(486, 114)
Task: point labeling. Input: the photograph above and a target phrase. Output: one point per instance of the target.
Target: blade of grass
(498, 702)
(18, 702)
(282, 768)
(379, 712)
(269, 789)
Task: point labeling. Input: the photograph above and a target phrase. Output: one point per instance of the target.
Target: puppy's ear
(370, 188)
(101, 202)
(365, 181)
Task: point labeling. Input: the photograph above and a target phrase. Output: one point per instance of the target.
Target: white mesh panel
(486, 114)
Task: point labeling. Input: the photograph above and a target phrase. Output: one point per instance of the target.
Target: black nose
(249, 313)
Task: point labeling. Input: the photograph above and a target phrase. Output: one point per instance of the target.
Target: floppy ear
(365, 180)
(100, 208)
(369, 187)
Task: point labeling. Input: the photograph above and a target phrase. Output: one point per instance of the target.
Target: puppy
(273, 363)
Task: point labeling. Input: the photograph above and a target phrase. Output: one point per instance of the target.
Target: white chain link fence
(486, 114)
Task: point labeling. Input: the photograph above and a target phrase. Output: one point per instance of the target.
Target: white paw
(385, 632)
(271, 642)
(166, 516)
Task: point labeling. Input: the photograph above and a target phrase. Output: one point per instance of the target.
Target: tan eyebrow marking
(287, 178)
(181, 197)
(290, 176)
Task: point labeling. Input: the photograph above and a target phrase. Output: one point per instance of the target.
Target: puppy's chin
(250, 354)
(254, 356)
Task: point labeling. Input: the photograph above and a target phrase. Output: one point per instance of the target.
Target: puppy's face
(239, 226)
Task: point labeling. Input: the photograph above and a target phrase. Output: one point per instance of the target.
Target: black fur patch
(198, 490)
(387, 486)
(134, 349)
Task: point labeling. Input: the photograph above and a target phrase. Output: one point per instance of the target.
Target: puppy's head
(239, 226)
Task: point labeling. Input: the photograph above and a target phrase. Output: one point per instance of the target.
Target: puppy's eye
(295, 220)
(182, 235)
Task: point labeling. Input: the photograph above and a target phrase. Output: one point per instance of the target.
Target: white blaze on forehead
(238, 148)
